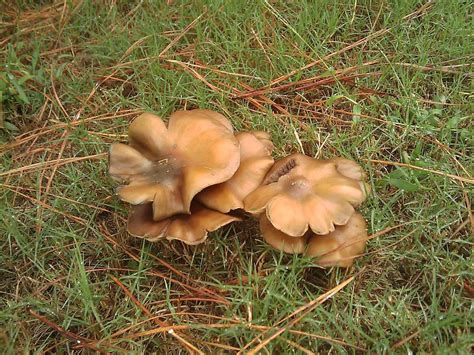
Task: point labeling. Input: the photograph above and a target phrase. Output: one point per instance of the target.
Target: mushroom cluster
(183, 179)
(190, 177)
(307, 206)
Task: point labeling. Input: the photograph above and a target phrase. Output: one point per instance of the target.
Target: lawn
(385, 83)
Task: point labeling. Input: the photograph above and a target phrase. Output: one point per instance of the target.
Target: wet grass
(388, 84)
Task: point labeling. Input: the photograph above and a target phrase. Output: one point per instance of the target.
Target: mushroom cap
(342, 246)
(169, 166)
(280, 240)
(141, 224)
(300, 192)
(265, 138)
(189, 228)
(255, 161)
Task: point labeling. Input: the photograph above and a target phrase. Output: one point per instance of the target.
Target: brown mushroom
(300, 192)
(255, 161)
(169, 166)
(265, 139)
(279, 240)
(342, 246)
(189, 228)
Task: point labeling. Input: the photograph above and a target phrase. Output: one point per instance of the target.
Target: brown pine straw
(14, 188)
(179, 36)
(231, 323)
(79, 341)
(182, 339)
(405, 340)
(55, 210)
(36, 133)
(192, 290)
(303, 311)
(299, 347)
(271, 86)
(339, 75)
(49, 163)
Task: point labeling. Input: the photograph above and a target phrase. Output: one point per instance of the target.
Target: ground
(385, 83)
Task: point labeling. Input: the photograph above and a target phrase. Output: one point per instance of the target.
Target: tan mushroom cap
(300, 192)
(341, 247)
(169, 166)
(279, 240)
(189, 228)
(255, 161)
(265, 139)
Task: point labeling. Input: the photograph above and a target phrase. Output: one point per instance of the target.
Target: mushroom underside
(191, 229)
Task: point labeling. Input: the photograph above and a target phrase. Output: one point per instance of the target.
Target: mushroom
(191, 228)
(255, 161)
(300, 192)
(169, 166)
(280, 240)
(342, 246)
(265, 139)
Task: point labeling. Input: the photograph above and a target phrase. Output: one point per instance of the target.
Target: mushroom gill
(255, 161)
(191, 228)
(169, 166)
(300, 192)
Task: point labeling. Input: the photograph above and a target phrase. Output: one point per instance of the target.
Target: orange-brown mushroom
(279, 240)
(265, 139)
(342, 246)
(300, 192)
(255, 161)
(189, 228)
(169, 166)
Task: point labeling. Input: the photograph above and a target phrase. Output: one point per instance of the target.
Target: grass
(390, 86)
